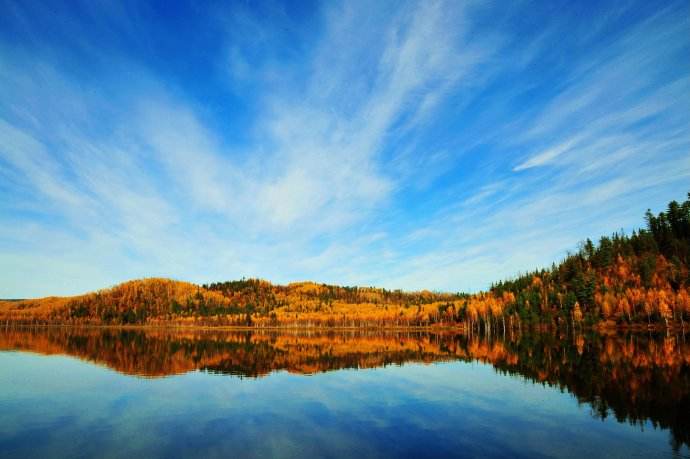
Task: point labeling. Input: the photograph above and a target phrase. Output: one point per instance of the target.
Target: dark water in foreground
(108, 393)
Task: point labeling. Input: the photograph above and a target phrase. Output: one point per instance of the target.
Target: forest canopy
(636, 280)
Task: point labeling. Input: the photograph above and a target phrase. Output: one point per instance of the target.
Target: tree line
(637, 280)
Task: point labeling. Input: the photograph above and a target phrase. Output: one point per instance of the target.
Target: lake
(88, 392)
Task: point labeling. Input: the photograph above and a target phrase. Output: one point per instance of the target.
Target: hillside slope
(641, 280)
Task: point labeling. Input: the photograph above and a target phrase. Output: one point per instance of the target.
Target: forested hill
(622, 279)
(637, 280)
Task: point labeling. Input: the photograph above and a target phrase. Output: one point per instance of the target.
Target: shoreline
(460, 329)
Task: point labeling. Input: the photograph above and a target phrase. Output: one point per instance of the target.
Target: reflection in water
(636, 378)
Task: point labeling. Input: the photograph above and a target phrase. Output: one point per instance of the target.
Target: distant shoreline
(600, 328)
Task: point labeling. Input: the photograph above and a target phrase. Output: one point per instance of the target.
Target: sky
(414, 145)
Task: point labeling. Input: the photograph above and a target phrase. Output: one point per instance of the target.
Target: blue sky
(406, 145)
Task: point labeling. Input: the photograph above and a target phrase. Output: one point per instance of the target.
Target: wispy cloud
(412, 145)
(548, 155)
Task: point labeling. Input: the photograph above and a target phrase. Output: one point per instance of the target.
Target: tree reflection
(632, 377)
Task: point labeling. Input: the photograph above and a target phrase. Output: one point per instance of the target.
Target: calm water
(106, 393)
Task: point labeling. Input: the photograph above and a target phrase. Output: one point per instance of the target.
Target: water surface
(69, 392)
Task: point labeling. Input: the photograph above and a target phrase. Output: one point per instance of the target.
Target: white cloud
(336, 179)
(548, 155)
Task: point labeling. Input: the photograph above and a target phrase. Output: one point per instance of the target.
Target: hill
(641, 280)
